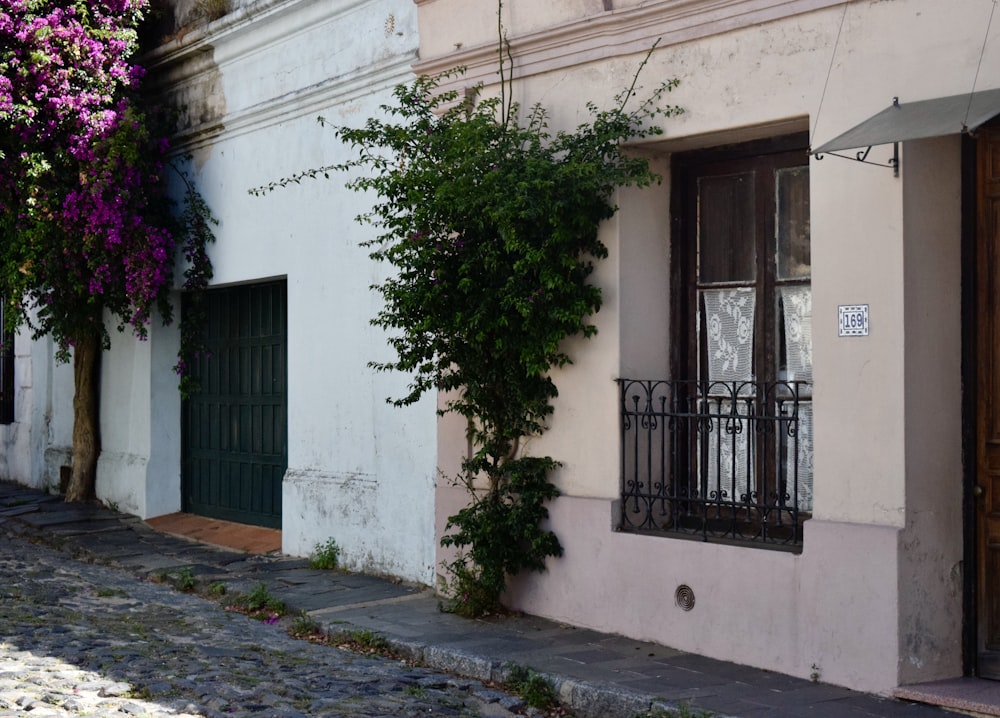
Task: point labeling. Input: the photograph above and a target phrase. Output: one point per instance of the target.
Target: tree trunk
(86, 418)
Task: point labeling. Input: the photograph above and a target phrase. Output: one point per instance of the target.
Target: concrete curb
(585, 699)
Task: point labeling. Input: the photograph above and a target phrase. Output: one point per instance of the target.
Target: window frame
(6, 374)
(672, 479)
(686, 357)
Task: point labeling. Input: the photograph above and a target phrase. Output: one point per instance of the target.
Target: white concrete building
(290, 428)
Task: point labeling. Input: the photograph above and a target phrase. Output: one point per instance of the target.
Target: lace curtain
(729, 319)
(727, 458)
(727, 449)
(797, 304)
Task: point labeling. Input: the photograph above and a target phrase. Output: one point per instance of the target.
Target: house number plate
(853, 320)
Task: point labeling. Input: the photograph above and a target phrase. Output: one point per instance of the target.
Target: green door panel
(235, 426)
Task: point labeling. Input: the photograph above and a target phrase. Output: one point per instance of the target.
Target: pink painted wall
(874, 599)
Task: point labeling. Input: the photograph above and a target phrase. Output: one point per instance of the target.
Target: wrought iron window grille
(717, 461)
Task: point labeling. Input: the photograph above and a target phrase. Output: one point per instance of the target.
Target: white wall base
(318, 506)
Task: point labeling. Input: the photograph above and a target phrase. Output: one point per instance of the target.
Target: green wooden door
(235, 426)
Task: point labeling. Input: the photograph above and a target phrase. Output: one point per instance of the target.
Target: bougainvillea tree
(86, 230)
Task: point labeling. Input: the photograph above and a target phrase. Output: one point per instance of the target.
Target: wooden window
(723, 449)
(744, 315)
(741, 241)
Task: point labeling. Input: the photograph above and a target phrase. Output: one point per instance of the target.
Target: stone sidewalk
(597, 675)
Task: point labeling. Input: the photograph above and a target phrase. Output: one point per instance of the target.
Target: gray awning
(915, 120)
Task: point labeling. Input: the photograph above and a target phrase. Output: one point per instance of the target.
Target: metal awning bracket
(862, 156)
(921, 119)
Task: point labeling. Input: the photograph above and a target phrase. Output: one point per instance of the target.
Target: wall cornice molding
(613, 33)
(238, 32)
(297, 104)
(259, 28)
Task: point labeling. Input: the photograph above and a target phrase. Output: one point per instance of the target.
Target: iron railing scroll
(719, 461)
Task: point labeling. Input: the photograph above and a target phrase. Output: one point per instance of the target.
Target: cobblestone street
(80, 639)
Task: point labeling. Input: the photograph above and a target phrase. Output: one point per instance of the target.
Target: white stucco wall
(252, 84)
(138, 470)
(36, 444)
(931, 566)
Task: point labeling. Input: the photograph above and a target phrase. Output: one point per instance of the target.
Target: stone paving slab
(53, 519)
(30, 497)
(18, 510)
(598, 675)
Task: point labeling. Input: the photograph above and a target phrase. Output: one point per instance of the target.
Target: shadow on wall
(169, 20)
(188, 77)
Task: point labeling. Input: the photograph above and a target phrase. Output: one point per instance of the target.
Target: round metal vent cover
(684, 597)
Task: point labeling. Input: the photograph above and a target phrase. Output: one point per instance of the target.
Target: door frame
(970, 381)
(222, 509)
(971, 517)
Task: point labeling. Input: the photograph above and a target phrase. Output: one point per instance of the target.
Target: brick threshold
(216, 532)
(972, 696)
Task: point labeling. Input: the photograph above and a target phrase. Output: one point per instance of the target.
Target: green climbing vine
(490, 222)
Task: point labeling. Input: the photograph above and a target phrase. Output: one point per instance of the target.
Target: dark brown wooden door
(987, 489)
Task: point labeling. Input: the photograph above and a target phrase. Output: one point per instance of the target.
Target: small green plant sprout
(184, 579)
(180, 578)
(141, 693)
(325, 556)
(536, 690)
(363, 641)
(259, 604)
(217, 589)
(305, 626)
